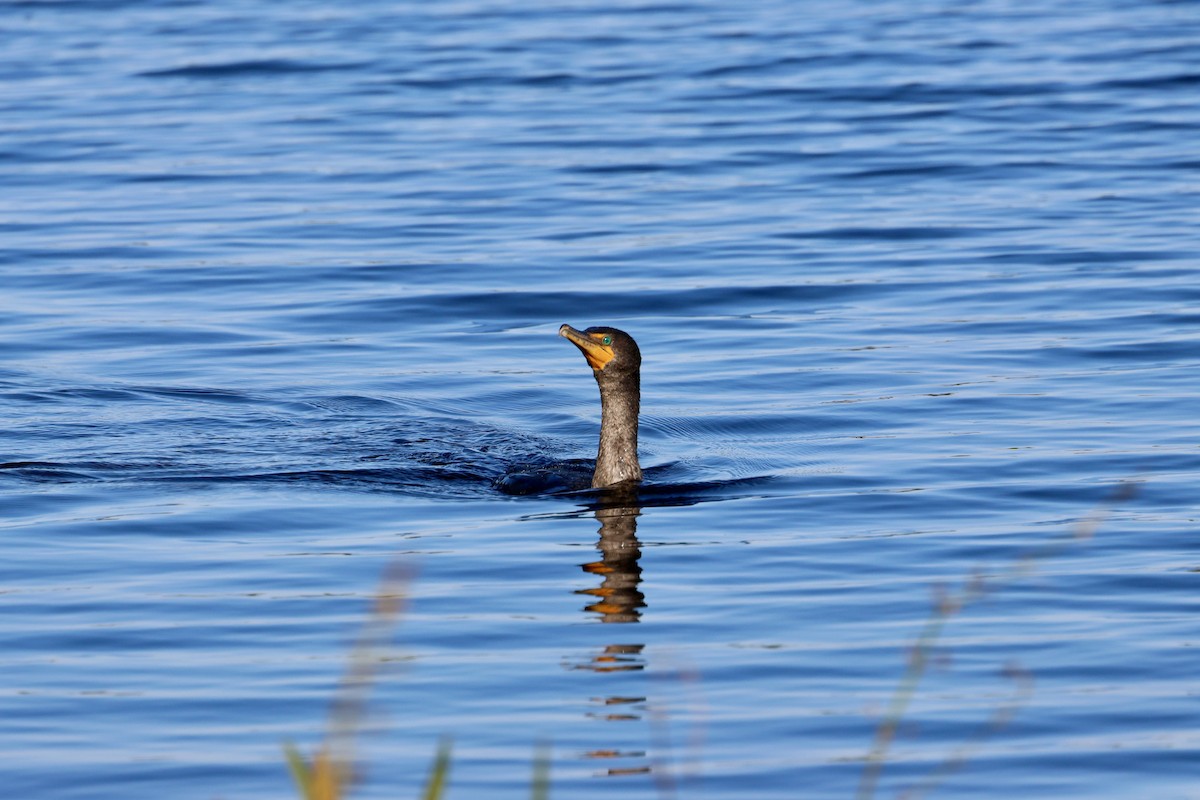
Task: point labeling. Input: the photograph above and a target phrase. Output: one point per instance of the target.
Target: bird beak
(597, 355)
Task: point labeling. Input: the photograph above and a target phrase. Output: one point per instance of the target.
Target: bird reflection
(617, 599)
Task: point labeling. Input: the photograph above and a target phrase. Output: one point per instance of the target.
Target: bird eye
(607, 340)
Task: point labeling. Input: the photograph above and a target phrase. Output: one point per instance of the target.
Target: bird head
(607, 350)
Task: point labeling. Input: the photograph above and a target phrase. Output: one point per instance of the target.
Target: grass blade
(436, 787)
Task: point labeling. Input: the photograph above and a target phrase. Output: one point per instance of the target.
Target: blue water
(916, 288)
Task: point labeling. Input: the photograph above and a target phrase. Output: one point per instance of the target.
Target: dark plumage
(616, 362)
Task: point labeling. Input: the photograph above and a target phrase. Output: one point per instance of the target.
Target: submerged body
(616, 363)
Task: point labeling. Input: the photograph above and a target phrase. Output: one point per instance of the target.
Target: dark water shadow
(653, 494)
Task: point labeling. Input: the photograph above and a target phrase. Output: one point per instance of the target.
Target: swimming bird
(616, 363)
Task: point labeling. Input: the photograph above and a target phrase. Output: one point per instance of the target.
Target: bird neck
(617, 459)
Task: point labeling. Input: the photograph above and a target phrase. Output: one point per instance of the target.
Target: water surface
(915, 288)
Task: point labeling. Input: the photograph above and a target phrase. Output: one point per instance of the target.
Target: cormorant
(616, 362)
